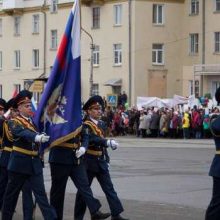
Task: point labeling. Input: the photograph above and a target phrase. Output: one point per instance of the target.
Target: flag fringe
(66, 138)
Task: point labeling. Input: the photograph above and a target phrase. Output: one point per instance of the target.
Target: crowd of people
(153, 122)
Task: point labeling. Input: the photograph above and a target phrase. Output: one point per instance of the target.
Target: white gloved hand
(113, 144)
(42, 138)
(45, 138)
(38, 138)
(80, 152)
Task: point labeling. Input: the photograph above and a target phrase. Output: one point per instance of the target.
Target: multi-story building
(142, 47)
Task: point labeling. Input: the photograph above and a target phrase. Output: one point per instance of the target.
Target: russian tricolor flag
(59, 110)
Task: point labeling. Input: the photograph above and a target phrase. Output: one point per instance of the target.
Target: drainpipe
(92, 47)
(45, 38)
(129, 53)
(203, 43)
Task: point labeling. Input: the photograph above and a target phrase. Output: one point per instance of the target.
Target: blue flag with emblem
(59, 111)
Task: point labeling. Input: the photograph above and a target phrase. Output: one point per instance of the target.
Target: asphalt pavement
(156, 179)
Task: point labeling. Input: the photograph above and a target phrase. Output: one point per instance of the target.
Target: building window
(194, 43)
(194, 10)
(96, 56)
(158, 14)
(0, 27)
(35, 58)
(95, 89)
(96, 17)
(17, 59)
(0, 60)
(158, 54)
(53, 6)
(36, 19)
(217, 5)
(1, 91)
(191, 92)
(117, 14)
(17, 21)
(17, 88)
(117, 54)
(53, 39)
(217, 42)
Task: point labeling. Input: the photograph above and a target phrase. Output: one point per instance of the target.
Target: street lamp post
(92, 47)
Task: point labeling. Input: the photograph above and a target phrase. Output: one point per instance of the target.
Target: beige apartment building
(142, 47)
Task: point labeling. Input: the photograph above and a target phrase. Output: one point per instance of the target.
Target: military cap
(23, 96)
(2, 103)
(217, 95)
(94, 101)
(10, 104)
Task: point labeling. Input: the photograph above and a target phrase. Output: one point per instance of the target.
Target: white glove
(42, 138)
(80, 152)
(113, 144)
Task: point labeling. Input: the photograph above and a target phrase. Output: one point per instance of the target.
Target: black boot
(99, 215)
(119, 217)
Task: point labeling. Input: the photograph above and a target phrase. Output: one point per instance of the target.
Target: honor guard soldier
(97, 159)
(65, 164)
(3, 182)
(25, 163)
(7, 144)
(2, 118)
(213, 210)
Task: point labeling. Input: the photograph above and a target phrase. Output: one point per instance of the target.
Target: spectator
(186, 126)
(137, 122)
(143, 124)
(119, 100)
(154, 123)
(174, 124)
(206, 129)
(163, 124)
(124, 98)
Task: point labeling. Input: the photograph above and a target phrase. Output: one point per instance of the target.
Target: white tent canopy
(146, 102)
(153, 102)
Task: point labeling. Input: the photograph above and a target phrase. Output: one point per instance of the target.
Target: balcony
(207, 69)
(91, 2)
(13, 6)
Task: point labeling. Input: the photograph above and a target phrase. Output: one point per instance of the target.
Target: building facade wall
(212, 25)
(173, 77)
(104, 37)
(193, 24)
(25, 42)
(148, 34)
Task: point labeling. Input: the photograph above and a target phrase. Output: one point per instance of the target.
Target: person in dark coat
(7, 144)
(154, 124)
(25, 163)
(3, 104)
(124, 98)
(137, 122)
(64, 164)
(97, 159)
(2, 119)
(213, 210)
